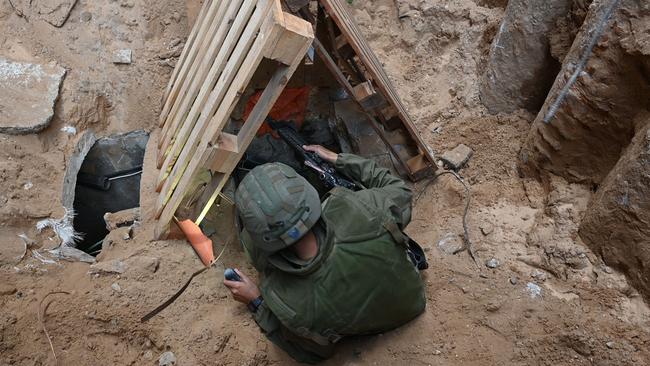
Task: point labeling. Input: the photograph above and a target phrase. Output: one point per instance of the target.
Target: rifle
(325, 170)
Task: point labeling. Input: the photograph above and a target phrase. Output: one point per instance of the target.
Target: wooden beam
(205, 81)
(339, 14)
(214, 15)
(196, 155)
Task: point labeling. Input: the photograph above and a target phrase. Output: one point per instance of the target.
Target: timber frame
(225, 48)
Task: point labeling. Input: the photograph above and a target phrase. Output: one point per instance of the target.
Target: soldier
(327, 270)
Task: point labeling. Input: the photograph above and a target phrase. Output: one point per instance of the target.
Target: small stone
(610, 345)
(513, 280)
(539, 275)
(116, 287)
(167, 359)
(124, 56)
(493, 306)
(148, 355)
(86, 16)
(29, 92)
(458, 157)
(492, 263)
(450, 244)
(487, 228)
(607, 270)
(533, 290)
(437, 352)
(110, 267)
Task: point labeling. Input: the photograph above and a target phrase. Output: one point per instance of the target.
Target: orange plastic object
(202, 244)
(290, 106)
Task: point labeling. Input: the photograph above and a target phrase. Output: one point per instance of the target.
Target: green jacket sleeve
(383, 190)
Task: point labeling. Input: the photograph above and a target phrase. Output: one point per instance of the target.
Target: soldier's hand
(324, 153)
(243, 291)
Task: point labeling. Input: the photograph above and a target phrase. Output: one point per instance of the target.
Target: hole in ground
(108, 181)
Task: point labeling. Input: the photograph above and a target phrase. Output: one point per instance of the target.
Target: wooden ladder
(225, 48)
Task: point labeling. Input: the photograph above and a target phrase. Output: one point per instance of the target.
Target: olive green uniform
(360, 282)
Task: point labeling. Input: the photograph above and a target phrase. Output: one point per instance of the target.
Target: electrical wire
(466, 239)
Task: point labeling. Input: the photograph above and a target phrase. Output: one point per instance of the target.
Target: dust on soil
(586, 314)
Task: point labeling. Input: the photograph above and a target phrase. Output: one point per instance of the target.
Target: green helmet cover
(277, 206)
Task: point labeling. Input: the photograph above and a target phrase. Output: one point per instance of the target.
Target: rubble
(29, 93)
(167, 359)
(123, 56)
(457, 157)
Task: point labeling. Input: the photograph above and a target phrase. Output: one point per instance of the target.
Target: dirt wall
(521, 68)
(597, 120)
(617, 222)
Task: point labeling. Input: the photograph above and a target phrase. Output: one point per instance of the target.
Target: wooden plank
(213, 17)
(339, 14)
(255, 120)
(368, 97)
(242, 65)
(279, 25)
(224, 151)
(205, 80)
(343, 81)
(190, 132)
(188, 45)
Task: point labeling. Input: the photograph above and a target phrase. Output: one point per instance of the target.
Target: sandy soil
(587, 314)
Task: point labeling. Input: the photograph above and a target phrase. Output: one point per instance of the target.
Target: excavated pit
(108, 181)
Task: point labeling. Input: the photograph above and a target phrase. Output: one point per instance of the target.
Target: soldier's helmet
(277, 206)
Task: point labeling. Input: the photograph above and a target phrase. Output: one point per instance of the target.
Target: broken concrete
(458, 157)
(617, 222)
(124, 56)
(29, 93)
(85, 142)
(122, 218)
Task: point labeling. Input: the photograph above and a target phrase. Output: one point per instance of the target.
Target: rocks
(486, 228)
(133, 266)
(29, 93)
(492, 263)
(71, 254)
(122, 218)
(85, 17)
(450, 244)
(533, 290)
(116, 287)
(123, 56)
(167, 359)
(111, 267)
(456, 158)
(610, 345)
(513, 280)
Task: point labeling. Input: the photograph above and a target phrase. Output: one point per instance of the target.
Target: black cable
(466, 240)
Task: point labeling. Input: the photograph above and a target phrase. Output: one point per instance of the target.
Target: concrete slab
(457, 157)
(29, 92)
